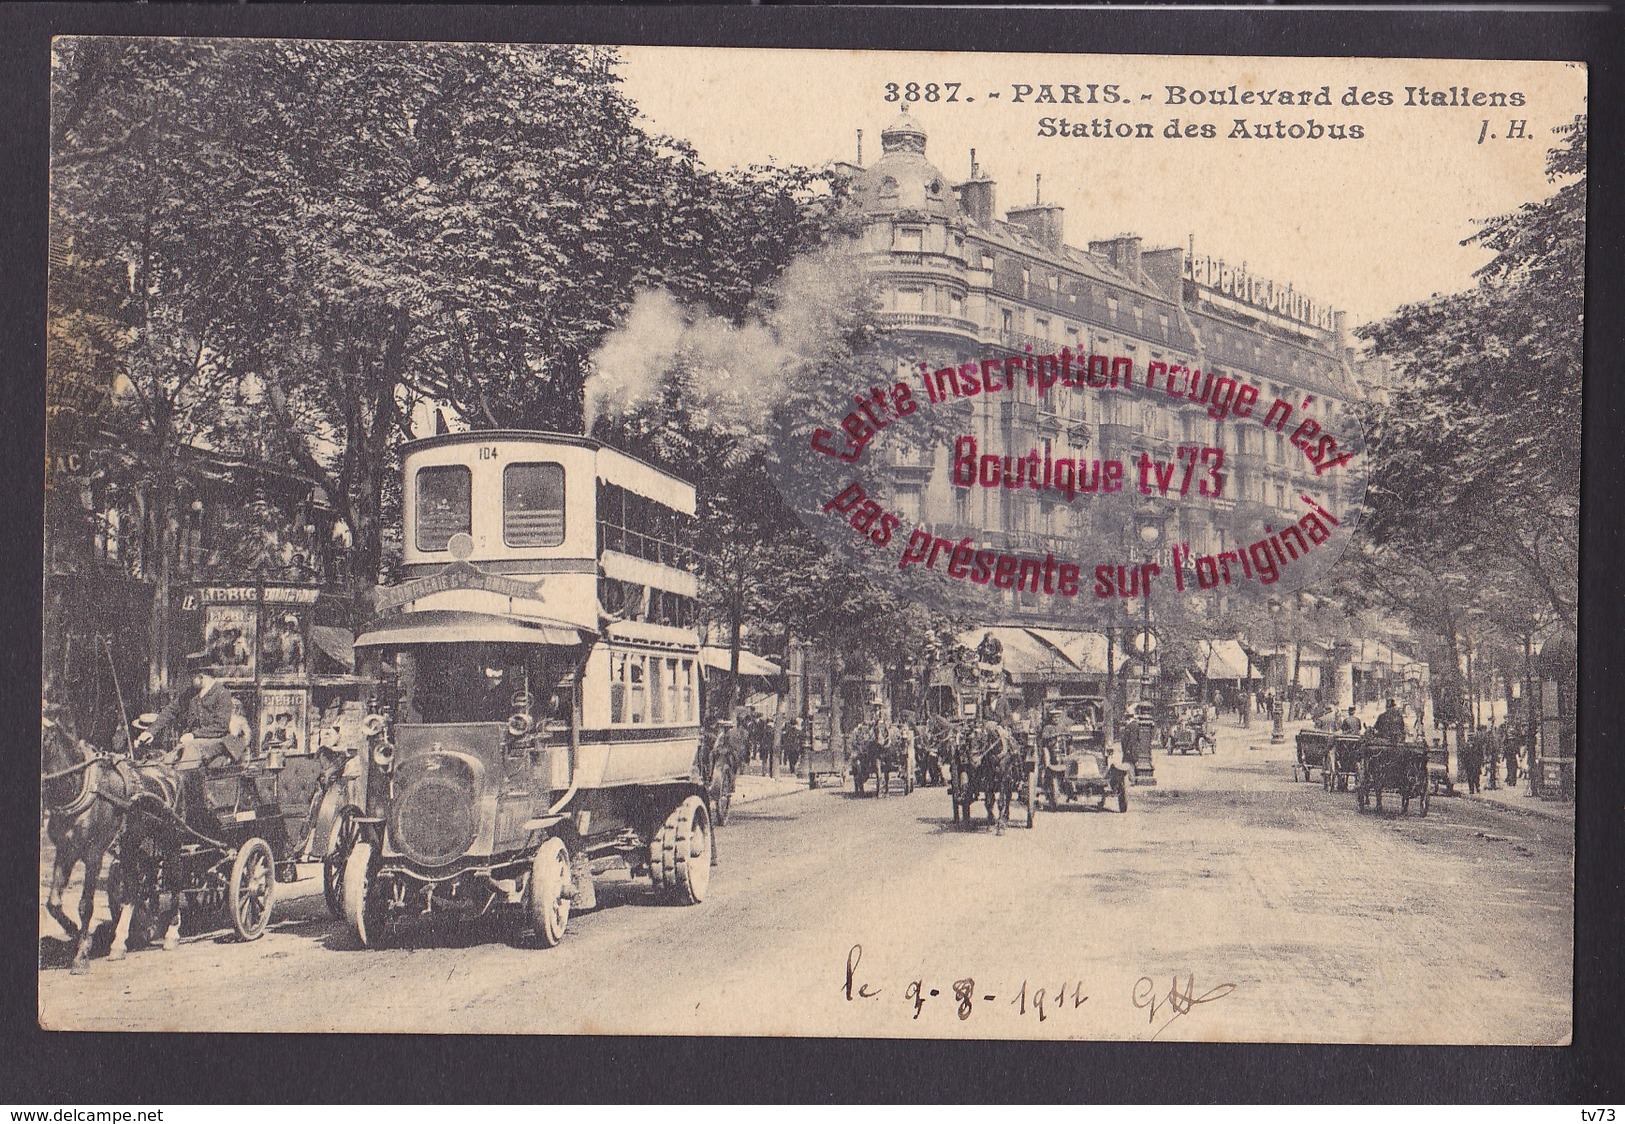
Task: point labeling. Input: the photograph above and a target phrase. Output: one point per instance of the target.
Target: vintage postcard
(713, 541)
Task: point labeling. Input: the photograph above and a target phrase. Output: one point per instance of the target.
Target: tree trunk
(158, 625)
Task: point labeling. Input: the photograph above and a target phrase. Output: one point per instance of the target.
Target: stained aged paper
(722, 541)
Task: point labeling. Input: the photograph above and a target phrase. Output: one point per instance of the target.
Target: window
(1111, 307)
(1009, 320)
(533, 504)
(910, 300)
(689, 712)
(657, 690)
(910, 238)
(956, 306)
(1162, 319)
(637, 694)
(1280, 449)
(1280, 497)
(443, 504)
(1041, 329)
(1026, 278)
(617, 688)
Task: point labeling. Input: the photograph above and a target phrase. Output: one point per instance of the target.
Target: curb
(1534, 810)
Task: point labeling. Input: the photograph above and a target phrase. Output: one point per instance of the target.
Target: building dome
(903, 179)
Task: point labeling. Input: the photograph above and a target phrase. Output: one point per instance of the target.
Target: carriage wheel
(549, 891)
(251, 890)
(364, 909)
(686, 845)
(339, 844)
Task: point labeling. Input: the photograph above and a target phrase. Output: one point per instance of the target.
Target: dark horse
(879, 760)
(89, 796)
(987, 764)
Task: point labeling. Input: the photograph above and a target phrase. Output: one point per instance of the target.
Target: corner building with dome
(970, 284)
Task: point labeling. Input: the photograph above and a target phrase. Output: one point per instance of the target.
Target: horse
(987, 765)
(879, 759)
(89, 795)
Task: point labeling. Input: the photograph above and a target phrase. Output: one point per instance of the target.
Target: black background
(66, 1069)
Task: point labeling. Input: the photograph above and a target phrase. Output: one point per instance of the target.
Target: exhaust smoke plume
(739, 370)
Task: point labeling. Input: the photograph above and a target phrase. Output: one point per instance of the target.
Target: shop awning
(720, 659)
(448, 626)
(1086, 650)
(1228, 660)
(1027, 656)
(335, 643)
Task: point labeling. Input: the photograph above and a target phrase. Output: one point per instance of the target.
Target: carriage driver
(212, 731)
(1390, 724)
(205, 712)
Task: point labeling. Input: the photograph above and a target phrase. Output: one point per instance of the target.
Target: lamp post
(1150, 530)
(1276, 733)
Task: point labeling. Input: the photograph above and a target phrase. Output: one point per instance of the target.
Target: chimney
(976, 197)
(1044, 221)
(1166, 269)
(1123, 252)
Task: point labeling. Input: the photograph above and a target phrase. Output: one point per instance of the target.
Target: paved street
(1269, 909)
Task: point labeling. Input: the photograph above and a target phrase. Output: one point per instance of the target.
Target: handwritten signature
(1177, 1002)
(964, 996)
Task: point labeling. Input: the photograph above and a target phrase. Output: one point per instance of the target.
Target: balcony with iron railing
(928, 322)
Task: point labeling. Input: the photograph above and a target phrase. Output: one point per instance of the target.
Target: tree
(149, 198)
(1479, 447)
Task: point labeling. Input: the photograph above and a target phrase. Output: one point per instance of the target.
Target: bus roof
(614, 466)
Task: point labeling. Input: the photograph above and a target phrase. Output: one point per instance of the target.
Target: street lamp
(1150, 530)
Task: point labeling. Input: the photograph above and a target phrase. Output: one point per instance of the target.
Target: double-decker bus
(540, 672)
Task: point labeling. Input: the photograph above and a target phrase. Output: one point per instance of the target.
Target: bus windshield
(480, 682)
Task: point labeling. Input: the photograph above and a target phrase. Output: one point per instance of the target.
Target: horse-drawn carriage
(1336, 755)
(1397, 767)
(881, 752)
(1190, 731)
(226, 855)
(987, 760)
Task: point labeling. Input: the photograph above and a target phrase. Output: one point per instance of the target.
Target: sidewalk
(1519, 801)
(749, 787)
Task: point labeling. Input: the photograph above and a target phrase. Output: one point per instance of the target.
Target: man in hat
(1390, 724)
(204, 715)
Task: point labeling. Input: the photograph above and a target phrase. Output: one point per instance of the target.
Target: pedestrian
(1508, 747)
(792, 744)
(1470, 761)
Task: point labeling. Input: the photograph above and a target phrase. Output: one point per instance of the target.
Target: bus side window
(688, 692)
(674, 704)
(617, 688)
(637, 689)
